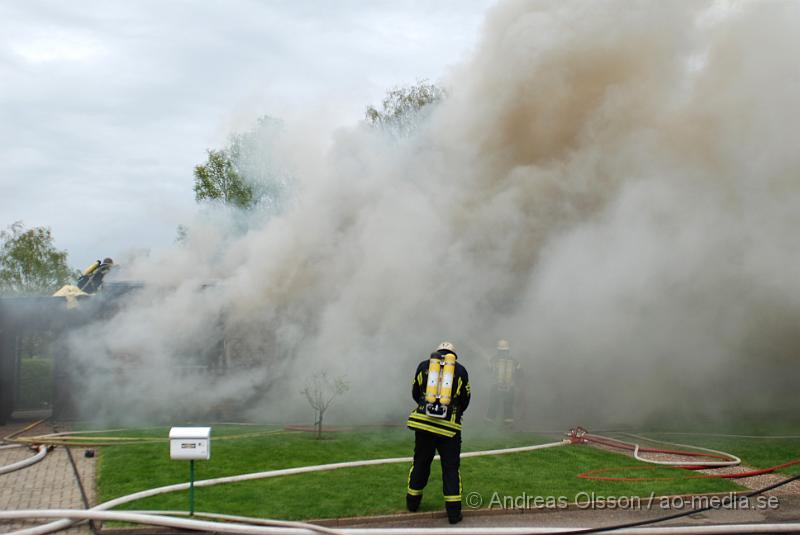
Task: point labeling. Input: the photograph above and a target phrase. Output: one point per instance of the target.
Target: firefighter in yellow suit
(441, 391)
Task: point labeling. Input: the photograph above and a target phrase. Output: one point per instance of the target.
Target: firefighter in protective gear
(88, 283)
(441, 390)
(504, 369)
(92, 277)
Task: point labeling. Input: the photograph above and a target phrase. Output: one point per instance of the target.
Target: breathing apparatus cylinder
(446, 389)
(432, 389)
(439, 390)
(92, 267)
(505, 371)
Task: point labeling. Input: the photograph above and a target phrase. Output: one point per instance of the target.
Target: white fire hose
(246, 525)
(66, 522)
(297, 528)
(26, 462)
(580, 435)
(733, 459)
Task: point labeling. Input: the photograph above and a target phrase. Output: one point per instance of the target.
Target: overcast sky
(105, 107)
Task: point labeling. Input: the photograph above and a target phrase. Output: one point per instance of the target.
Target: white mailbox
(190, 443)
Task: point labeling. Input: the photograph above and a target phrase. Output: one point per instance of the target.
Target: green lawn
(367, 490)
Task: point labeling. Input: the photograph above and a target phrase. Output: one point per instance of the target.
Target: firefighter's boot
(412, 502)
(454, 512)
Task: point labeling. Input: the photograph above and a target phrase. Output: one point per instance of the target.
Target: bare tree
(320, 391)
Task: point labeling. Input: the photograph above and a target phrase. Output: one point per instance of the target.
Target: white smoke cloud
(613, 186)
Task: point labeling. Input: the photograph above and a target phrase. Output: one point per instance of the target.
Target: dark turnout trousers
(449, 448)
(503, 401)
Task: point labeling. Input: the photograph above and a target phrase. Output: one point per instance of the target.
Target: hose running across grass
(81, 438)
(64, 523)
(722, 460)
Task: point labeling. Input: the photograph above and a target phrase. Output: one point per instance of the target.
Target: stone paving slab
(48, 484)
(786, 509)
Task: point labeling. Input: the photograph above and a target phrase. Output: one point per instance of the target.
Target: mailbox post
(190, 444)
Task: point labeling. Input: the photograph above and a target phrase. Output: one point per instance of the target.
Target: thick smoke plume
(612, 186)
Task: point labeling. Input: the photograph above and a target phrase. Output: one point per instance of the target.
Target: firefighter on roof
(504, 369)
(441, 391)
(92, 277)
(88, 283)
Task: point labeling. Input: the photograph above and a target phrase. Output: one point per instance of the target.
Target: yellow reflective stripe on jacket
(458, 388)
(419, 378)
(451, 423)
(430, 429)
(436, 430)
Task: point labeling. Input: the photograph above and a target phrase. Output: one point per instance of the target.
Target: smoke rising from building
(614, 187)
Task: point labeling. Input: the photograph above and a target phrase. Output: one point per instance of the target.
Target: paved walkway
(48, 484)
(784, 509)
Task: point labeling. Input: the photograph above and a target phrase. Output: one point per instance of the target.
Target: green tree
(247, 172)
(254, 156)
(29, 262)
(403, 107)
(217, 179)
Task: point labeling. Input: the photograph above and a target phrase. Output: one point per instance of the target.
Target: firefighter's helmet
(447, 346)
(503, 345)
